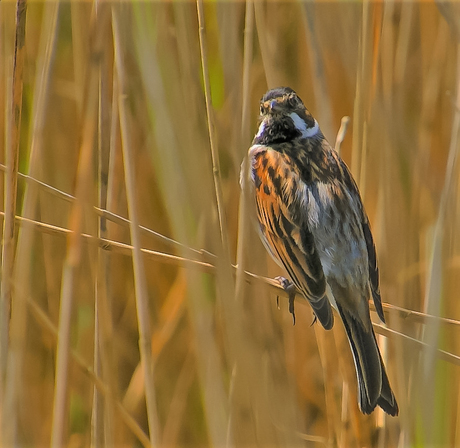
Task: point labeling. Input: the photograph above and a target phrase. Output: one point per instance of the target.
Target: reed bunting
(312, 221)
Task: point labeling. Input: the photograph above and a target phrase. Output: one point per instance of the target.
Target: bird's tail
(373, 384)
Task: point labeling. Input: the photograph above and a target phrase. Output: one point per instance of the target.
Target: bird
(312, 221)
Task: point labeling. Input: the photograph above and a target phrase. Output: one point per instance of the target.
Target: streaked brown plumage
(312, 221)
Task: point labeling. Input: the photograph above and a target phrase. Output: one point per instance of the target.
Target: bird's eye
(292, 101)
(262, 109)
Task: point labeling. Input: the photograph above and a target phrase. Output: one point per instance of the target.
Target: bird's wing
(352, 188)
(285, 229)
(373, 268)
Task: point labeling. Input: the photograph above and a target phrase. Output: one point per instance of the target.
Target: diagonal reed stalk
(110, 216)
(229, 367)
(44, 321)
(407, 315)
(276, 288)
(207, 266)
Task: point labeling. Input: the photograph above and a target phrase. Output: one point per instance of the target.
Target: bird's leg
(291, 306)
(290, 288)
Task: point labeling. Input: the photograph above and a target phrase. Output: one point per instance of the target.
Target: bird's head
(283, 117)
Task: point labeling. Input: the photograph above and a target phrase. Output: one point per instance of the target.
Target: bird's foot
(290, 288)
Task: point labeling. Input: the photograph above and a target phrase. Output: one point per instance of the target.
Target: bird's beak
(273, 106)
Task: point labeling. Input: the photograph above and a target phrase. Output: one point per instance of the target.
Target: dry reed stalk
(434, 286)
(341, 134)
(449, 357)
(25, 236)
(141, 292)
(44, 321)
(224, 281)
(115, 246)
(386, 54)
(178, 403)
(80, 51)
(71, 264)
(8, 402)
(113, 217)
(102, 418)
(247, 63)
(351, 424)
(413, 316)
(244, 203)
(97, 428)
(73, 256)
(402, 47)
(211, 132)
(457, 426)
(383, 54)
(229, 18)
(273, 73)
(326, 351)
(405, 121)
(428, 348)
(431, 92)
(323, 110)
(114, 142)
(243, 211)
(171, 313)
(362, 93)
(405, 314)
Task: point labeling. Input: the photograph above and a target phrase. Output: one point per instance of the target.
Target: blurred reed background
(128, 324)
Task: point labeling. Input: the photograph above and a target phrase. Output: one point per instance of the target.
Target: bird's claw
(290, 288)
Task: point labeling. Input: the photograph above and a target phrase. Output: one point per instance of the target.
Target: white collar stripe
(302, 126)
(261, 129)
